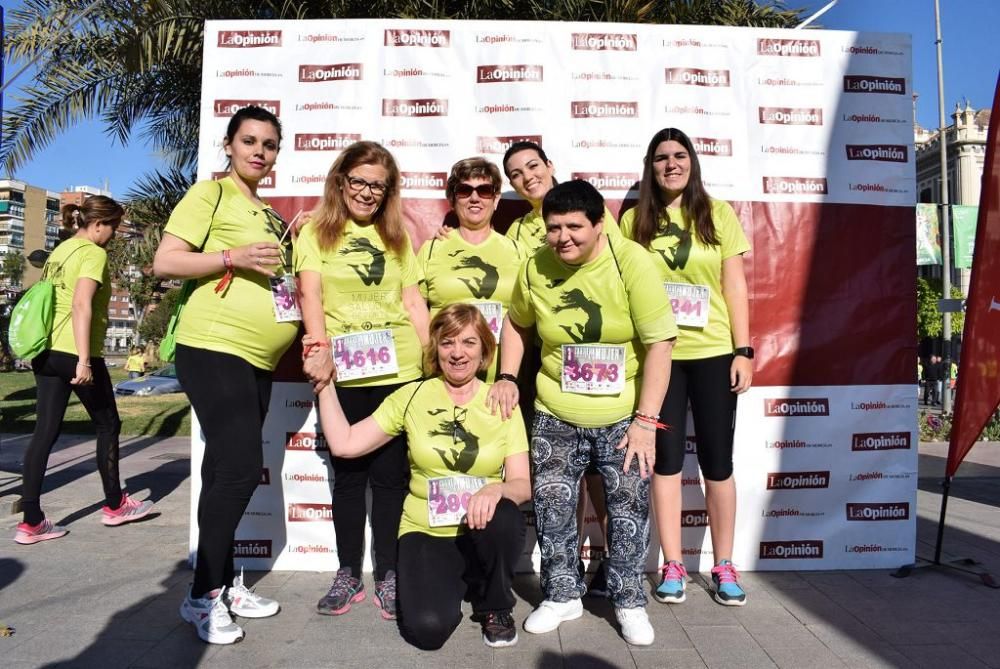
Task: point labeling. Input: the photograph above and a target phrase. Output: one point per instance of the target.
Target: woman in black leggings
(461, 532)
(78, 269)
(230, 337)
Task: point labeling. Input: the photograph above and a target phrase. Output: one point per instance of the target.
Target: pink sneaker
(43, 531)
(129, 511)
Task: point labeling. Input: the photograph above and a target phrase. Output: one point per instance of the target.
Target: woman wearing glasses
(473, 264)
(358, 276)
(229, 340)
(461, 533)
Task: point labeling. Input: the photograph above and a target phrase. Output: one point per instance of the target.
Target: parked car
(160, 382)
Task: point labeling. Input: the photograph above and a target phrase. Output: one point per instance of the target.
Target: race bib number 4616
(360, 355)
(593, 369)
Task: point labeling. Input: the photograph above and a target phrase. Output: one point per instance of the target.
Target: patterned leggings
(560, 453)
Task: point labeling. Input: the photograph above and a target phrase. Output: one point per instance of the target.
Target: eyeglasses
(457, 429)
(485, 191)
(356, 184)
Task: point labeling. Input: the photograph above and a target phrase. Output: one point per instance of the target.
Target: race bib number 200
(593, 369)
(448, 498)
(360, 355)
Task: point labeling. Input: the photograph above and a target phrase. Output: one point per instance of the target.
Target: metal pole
(946, 489)
(945, 218)
(815, 16)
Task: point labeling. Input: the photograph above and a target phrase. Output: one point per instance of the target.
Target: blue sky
(86, 156)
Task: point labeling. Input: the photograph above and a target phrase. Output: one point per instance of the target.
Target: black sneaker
(346, 590)
(499, 630)
(385, 595)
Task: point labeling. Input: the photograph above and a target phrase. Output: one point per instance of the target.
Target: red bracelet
(227, 259)
(228, 276)
(306, 350)
(643, 418)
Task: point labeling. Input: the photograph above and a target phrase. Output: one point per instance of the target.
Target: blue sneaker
(727, 587)
(672, 584)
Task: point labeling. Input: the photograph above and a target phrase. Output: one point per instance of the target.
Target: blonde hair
(450, 321)
(332, 215)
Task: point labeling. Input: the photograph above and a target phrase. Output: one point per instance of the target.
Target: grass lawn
(161, 415)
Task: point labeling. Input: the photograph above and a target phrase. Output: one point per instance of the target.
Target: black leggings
(388, 472)
(436, 573)
(705, 383)
(53, 372)
(230, 397)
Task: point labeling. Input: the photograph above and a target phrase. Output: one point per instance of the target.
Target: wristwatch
(745, 351)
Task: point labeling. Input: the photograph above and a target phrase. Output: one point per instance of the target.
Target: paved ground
(108, 597)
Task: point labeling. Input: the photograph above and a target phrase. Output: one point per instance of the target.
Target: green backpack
(31, 320)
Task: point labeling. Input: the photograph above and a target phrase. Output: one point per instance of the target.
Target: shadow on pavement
(150, 629)
(973, 482)
(10, 571)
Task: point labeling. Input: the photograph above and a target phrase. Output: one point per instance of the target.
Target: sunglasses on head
(485, 191)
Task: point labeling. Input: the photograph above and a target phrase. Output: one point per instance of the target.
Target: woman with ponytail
(74, 362)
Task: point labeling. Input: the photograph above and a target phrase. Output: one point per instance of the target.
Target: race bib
(493, 313)
(689, 302)
(360, 355)
(448, 498)
(285, 297)
(593, 369)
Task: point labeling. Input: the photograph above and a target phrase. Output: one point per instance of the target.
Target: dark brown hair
(694, 199)
(450, 321)
(94, 208)
(472, 168)
(332, 215)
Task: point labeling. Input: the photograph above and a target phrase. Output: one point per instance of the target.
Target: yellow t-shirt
(240, 320)
(454, 270)
(447, 440)
(135, 363)
(529, 230)
(362, 291)
(680, 258)
(72, 260)
(608, 300)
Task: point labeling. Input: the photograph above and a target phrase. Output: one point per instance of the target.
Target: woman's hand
(740, 374)
(443, 232)
(482, 505)
(258, 257)
(503, 395)
(639, 442)
(83, 376)
(317, 363)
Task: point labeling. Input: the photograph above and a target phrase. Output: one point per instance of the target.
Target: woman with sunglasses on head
(697, 244)
(229, 341)
(74, 363)
(359, 282)
(474, 263)
(461, 532)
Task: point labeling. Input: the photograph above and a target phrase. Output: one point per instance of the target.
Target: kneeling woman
(468, 473)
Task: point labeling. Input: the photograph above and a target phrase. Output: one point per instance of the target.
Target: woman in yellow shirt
(359, 280)
(135, 366)
(697, 245)
(229, 341)
(74, 362)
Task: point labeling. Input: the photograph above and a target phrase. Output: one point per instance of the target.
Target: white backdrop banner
(807, 133)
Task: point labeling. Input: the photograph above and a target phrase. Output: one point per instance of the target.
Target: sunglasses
(485, 191)
(457, 429)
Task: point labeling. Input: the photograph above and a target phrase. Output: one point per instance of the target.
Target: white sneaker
(210, 617)
(635, 626)
(549, 615)
(246, 603)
